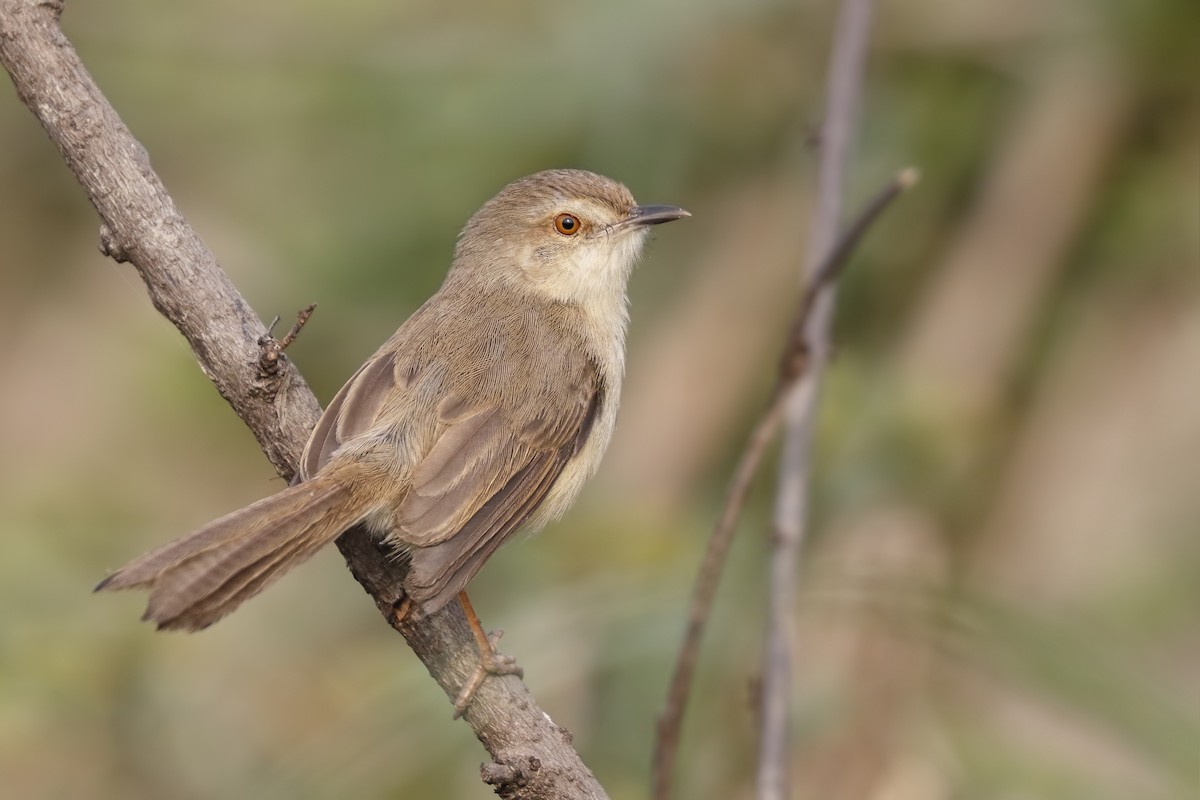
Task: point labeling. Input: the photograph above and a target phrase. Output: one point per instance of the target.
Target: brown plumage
(485, 412)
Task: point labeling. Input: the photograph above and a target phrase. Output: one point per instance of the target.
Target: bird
(484, 413)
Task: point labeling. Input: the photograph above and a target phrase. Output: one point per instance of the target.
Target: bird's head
(567, 235)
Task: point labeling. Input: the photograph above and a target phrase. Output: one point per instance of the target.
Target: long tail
(199, 578)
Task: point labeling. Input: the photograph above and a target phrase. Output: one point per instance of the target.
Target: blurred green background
(1000, 592)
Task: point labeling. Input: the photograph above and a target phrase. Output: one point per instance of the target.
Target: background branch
(846, 65)
(792, 368)
(141, 225)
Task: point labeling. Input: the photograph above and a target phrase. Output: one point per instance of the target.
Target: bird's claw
(491, 662)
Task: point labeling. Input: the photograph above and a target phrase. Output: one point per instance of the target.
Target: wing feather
(352, 411)
(480, 482)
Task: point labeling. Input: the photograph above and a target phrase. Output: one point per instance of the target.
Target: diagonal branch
(141, 225)
(793, 366)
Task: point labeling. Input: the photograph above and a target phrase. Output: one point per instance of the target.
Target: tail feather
(199, 578)
(247, 582)
(267, 529)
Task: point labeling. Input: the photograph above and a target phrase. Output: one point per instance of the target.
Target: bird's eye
(567, 224)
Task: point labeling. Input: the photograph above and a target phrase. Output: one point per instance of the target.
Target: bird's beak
(641, 216)
(654, 215)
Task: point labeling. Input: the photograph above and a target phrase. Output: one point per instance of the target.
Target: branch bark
(533, 757)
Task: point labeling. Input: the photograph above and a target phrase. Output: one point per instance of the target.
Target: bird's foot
(491, 662)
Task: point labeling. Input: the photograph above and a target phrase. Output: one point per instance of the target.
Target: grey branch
(846, 66)
(141, 225)
(793, 366)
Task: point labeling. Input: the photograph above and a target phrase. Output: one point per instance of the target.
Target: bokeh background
(1000, 592)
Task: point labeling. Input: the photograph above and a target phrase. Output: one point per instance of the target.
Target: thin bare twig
(271, 349)
(792, 367)
(141, 225)
(846, 66)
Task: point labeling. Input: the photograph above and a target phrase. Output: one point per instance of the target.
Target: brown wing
(482, 480)
(351, 412)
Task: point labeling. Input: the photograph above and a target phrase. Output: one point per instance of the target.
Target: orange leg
(490, 661)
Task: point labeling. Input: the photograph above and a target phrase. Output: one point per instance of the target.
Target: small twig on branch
(792, 367)
(140, 224)
(271, 349)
